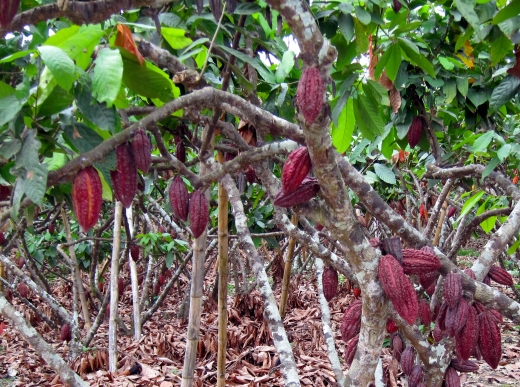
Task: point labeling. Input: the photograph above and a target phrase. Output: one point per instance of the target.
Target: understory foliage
(408, 114)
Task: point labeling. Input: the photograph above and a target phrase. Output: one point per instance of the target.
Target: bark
(287, 269)
(46, 351)
(134, 280)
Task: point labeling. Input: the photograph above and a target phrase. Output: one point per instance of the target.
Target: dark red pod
(87, 197)
(310, 93)
(142, 150)
(305, 192)
(179, 198)
(8, 10)
(295, 169)
(199, 213)
(124, 178)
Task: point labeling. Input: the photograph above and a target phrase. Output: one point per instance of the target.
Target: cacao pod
(350, 350)
(456, 317)
(20, 262)
(65, 333)
(199, 213)
(470, 273)
(5, 192)
(397, 346)
(441, 316)
(2, 239)
(391, 327)
(451, 378)
(500, 276)
(134, 251)
(479, 307)
(396, 5)
(351, 323)
(489, 342)
(142, 151)
(250, 175)
(179, 198)
(161, 279)
(415, 131)
(50, 228)
(438, 334)
(428, 249)
(497, 315)
(295, 169)
(305, 192)
(487, 280)
(124, 178)
(452, 289)
(356, 292)
(310, 93)
(87, 197)
(180, 152)
(392, 246)
(425, 313)
(216, 8)
(398, 287)
(23, 289)
(330, 283)
(416, 376)
(419, 262)
(9, 9)
(362, 221)
(451, 211)
(157, 288)
(427, 280)
(467, 338)
(408, 360)
(120, 286)
(464, 365)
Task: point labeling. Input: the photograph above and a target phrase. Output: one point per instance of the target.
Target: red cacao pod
(489, 342)
(451, 378)
(2, 239)
(124, 178)
(428, 280)
(428, 249)
(250, 175)
(180, 152)
(295, 169)
(305, 192)
(397, 346)
(199, 213)
(9, 9)
(467, 338)
(497, 315)
(23, 289)
(456, 317)
(500, 276)
(398, 287)
(451, 211)
(50, 228)
(161, 279)
(441, 316)
(20, 262)
(391, 327)
(464, 365)
(415, 131)
(157, 288)
(396, 5)
(87, 197)
(350, 350)
(416, 376)
(65, 333)
(134, 251)
(120, 286)
(419, 262)
(438, 334)
(5, 192)
(487, 280)
(142, 151)
(330, 283)
(452, 289)
(179, 198)
(425, 313)
(470, 273)
(310, 93)
(356, 292)
(351, 323)
(408, 360)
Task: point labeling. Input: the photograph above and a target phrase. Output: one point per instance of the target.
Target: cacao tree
(387, 132)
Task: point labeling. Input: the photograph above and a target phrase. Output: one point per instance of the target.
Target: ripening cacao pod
(305, 192)
(397, 346)
(456, 317)
(464, 365)
(199, 213)
(295, 169)
(451, 211)
(330, 283)
(216, 8)
(428, 280)
(396, 5)
(419, 262)
(470, 273)
(416, 376)
(5, 192)
(157, 288)
(480, 308)
(124, 178)
(120, 286)
(487, 280)
(180, 152)
(467, 338)
(497, 315)
(65, 333)
(451, 378)
(179, 198)
(425, 313)
(310, 93)
(441, 316)
(438, 334)
(161, 279)
(415, 131)
(134, 251)
(87, 197)
(362, 221)
(50, 228)
(452, 289)
(23, 289)
(8, 12)
(408, 360)
(500, 276)
(142, 150)
(391, 327)
(351, 323)
(356, 292)
(489, 339)
(398, 287)
(350, 350)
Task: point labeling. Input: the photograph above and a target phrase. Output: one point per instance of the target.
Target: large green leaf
(390, 61)
(108, 75)
(467, 9)
(499, 48)
(411, 50)
(9, 108)
(361, 37)
(470, 203)
(509, 11)
(285, 66)
(82, 137)
(266, 74)
(385, 173)
(175, 37)
(483, 141)
(98, 113)
(504, 92)
(342, 133)
(367, 117)
(60, 65)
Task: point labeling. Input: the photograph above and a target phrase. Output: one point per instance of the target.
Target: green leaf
(285, 66)
(390, 61)
(488, 224)
(509, 11)
(58, 100)
(346, 26)
(361, 37)
(469, 204)
(362, 15)
(514, 247)
(108, 75)
(377, 92)
(446, 63)
(467, 9)
(35, 182)
(490, 167)
(504, 92)
(499, 48)
(344, 93)
(450, 90)
(9, 108)
(477, 96)
(462, 86)
(342, 134)
(483, 141)
(463, 38)
(82, 137)
(266, 74)
(98, 113)
(411, 50)
(175, 37)
(385, 173)
(60, 65)
(504, 151)
(367, 117)
(16, 55)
